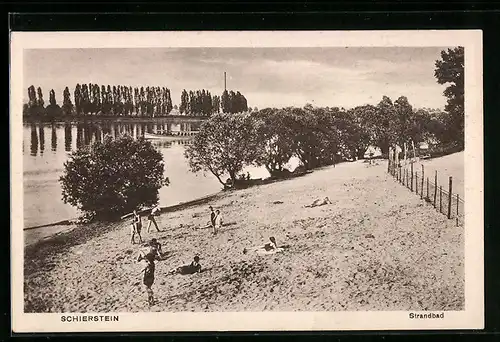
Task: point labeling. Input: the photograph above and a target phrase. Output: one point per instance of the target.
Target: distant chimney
(224, 80)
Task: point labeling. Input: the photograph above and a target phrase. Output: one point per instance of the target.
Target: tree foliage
(113, 177)
(224, 145)
(276, 139)
(450, 69)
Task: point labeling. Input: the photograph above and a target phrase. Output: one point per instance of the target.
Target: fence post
(427, 181)
(411, 186)
(435, 187)
(422, 185)
(449, 198)
(441, 199)
(458, 198)
(416, 182)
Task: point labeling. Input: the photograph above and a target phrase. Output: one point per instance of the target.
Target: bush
(444, 149)
(114, 177)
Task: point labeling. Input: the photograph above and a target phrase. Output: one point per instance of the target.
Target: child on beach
(136, 227)
(212, 218)
(268, 248)
(151, 218)
(153, 248)
(149, 277)
(193, 267)
(217, 221)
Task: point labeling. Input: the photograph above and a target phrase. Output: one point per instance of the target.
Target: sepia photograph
(259, 177)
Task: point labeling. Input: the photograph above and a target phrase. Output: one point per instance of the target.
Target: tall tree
(450, 69)
(168, 100)
(67, 107)
(40, 101)
(184, 102)
(225, 105)
(78, 99)
(53, 110)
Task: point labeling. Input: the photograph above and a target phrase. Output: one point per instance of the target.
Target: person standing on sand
(217, 221)
(149, 277)
(212, 218)
(136, 227)
(151, 218)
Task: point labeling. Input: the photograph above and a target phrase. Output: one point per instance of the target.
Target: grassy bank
(376, 247)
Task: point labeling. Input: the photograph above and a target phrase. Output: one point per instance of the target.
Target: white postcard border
(471, 318)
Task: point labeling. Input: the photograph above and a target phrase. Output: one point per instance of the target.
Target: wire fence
(426, 186)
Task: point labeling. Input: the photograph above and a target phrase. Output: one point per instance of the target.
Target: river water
(46, 146)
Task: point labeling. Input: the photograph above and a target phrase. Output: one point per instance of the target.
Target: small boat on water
(172, 137)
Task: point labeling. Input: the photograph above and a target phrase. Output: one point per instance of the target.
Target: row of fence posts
(409, 178)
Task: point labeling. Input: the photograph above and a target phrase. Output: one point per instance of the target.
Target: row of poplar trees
(92, 99)
(120, 100)
(202, 103)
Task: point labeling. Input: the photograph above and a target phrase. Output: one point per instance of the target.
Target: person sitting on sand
(149, 277)
(319, 202)
(136, 227)
(151, 217)
(153, 248)
(193, 267)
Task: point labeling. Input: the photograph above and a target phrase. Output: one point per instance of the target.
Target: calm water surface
(46, 147)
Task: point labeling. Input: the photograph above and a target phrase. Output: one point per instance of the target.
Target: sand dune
(376, 247)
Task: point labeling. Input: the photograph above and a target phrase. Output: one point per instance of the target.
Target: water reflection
(42, 139)
(88, 132)
(68, 137)
(33, 141)
(53, 139)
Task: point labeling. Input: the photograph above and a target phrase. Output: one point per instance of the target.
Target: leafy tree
(224, 145)
(385, 124)
(276, 140)
(450, 69)
(364, 118)
(113, 177)
(406, 129)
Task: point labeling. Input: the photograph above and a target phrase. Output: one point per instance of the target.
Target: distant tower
(224, 80)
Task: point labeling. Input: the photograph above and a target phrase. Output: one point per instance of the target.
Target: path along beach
(376, 247)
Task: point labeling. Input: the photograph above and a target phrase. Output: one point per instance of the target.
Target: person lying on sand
(153, 248)
(149, 277)
(193, 267)
(269, 248)
(319, 202)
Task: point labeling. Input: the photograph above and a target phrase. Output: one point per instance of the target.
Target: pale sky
(268, 77)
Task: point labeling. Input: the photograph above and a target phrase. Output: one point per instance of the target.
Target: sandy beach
(376, 247)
